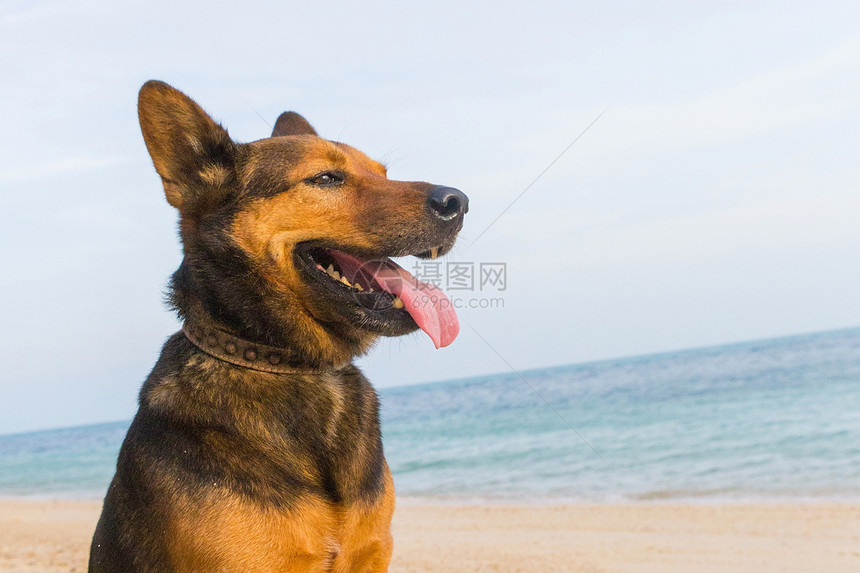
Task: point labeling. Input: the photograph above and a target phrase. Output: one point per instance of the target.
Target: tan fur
(214, 175)
(229, 535)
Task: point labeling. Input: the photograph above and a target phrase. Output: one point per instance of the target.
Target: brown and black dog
(256, 447)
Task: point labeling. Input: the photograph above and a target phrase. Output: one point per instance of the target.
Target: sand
(53, 536)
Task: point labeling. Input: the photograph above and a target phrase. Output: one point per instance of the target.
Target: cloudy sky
(716, 200)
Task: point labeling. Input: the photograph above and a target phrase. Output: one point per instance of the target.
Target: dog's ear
(291, 123)
(194, 155)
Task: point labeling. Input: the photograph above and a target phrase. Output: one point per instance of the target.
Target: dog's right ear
(194, 155)
(291, 123)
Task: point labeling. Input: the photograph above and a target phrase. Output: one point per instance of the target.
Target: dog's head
(287, 239)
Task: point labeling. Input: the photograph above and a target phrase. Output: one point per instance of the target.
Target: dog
(256, 446)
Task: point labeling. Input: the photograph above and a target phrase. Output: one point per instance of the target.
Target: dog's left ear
(291, 123)
(194, 155)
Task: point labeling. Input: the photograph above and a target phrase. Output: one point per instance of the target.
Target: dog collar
(224, 346)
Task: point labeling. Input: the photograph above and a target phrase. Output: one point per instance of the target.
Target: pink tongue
(428, 306)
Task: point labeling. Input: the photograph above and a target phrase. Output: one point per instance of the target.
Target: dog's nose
(447, 203)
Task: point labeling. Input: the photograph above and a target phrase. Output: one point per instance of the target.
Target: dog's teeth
(357, 286)
(434, 252)
(398, 303)
(346, 282)
(332, 273)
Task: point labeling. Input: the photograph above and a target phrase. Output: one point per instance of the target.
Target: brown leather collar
(222, 345)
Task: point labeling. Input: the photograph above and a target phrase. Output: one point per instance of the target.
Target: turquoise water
(777, 419)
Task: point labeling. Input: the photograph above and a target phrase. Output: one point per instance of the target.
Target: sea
(774, 420)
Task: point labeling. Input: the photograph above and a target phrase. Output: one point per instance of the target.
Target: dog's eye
(326, 179)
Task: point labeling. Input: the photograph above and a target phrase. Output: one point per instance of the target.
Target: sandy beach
(53, 536)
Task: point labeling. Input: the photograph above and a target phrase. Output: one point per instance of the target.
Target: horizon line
(508, 373)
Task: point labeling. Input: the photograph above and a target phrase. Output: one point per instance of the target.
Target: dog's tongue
(428, 306)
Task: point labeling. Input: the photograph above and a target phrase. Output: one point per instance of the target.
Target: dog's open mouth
(384, 288)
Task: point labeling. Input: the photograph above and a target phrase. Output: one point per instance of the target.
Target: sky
(716, 198)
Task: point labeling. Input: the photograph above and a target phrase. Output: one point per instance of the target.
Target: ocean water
(767, 420)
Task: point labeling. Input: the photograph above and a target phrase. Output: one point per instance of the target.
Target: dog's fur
(232, 469)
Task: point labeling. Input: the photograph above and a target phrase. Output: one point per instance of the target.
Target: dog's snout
(447, 203)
